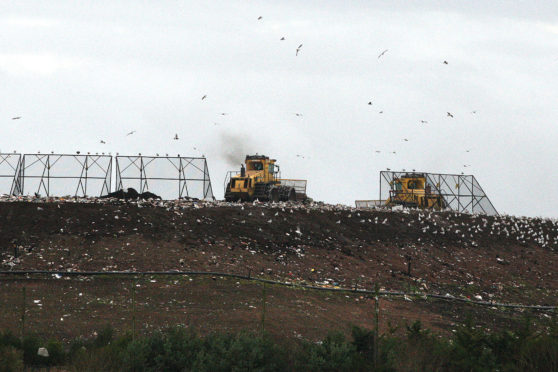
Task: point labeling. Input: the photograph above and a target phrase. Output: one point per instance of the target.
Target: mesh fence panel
(9, 174)
(460, 193)
(64, 174)
(168, 177)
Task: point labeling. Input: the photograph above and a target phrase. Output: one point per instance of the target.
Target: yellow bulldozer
(260, 179)
(411, 190)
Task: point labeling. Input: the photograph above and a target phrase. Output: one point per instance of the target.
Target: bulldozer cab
(262, 168)
(412, 190)
(261, 179)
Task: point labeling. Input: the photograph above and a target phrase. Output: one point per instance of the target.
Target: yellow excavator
(411, 190)
(260, 179)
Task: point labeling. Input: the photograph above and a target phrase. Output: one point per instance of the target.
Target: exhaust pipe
(242, 171)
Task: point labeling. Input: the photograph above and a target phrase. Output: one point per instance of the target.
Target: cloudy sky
(79, 72)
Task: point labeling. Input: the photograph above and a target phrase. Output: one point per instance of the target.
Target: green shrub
(7, 338)
(56, 354)
(539, 354)
(104, 337)
(241, 352)
(179, 349)
(11, 359)
(333, 354)
(30, 346)
(471, 350)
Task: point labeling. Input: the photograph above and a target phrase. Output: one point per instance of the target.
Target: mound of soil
(502, 258)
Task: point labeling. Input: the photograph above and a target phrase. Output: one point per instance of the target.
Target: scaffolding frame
(87, 165)
(138, 165)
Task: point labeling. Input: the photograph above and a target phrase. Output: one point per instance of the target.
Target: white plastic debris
(42, 352)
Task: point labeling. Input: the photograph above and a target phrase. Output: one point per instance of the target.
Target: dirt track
(494, 258)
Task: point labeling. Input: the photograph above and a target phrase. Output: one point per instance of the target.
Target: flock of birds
(297, 114)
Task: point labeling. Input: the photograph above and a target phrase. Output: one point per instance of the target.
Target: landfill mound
(485, 258)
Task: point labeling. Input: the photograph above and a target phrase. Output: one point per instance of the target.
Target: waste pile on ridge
(501, 258)
(131, 193)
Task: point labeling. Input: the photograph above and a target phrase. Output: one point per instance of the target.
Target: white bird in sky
(16, 118)
(130, 133)
(298, 49)
(175, 136)
(381, 54)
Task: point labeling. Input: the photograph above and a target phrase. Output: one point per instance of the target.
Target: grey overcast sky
(79, 72)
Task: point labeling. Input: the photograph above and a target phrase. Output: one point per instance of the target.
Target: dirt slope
(505, 259)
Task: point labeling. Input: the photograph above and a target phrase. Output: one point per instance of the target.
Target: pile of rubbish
(131, 194)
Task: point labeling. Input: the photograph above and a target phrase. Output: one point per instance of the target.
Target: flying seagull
(405, 139)
(381, 54)
(445, 62)
(378, 151)
(381, 112)
(175, 136)
(103, 142)
(424, 121)
(297, 114)
(132, 132)
(260, 17)
(450, 115)
(298, 49)
(204, 97)
(370, 103)
(283, 38)
(16, 118)
(224, 113)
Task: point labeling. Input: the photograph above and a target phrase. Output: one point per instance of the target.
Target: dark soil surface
(503, 259)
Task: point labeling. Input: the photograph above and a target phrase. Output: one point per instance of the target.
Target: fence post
(133, 309)
(263, 308)
(377, 322)
(23, 315)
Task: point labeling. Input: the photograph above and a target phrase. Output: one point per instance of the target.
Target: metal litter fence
(461, 193)
(171, 177)
(10, 164)
(66, 174)
(84, 175)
